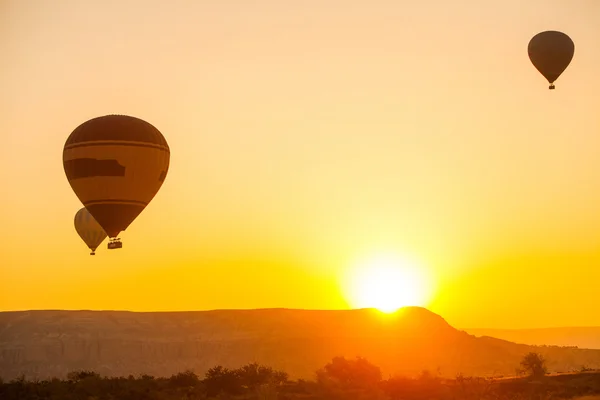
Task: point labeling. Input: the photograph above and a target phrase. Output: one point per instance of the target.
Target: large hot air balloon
(116, 164)
(551, 53)
(89, 229)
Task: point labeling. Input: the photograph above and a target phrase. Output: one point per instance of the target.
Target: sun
(387, 283)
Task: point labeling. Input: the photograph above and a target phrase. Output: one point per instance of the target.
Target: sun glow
(387, 283)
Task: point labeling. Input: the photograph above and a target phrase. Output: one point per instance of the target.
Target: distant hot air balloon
(551, 53)
(116, 164)
(89, 229)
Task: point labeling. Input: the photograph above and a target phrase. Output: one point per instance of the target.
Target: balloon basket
(551, 87)
(115, 244)
(92, 254)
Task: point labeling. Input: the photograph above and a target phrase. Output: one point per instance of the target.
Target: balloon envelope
(116, 164)
(89, 229)
(551, 53)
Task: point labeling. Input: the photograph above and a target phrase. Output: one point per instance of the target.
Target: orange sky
(306, 135)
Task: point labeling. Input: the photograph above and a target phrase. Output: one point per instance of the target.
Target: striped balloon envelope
(116, 164)
(89, 229)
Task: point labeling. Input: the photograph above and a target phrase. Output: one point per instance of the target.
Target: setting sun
(387, 283)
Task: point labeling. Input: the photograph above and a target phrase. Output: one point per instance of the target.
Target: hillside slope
(52, 343)
(582, 337)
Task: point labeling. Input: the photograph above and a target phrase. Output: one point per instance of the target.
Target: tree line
(340, 379)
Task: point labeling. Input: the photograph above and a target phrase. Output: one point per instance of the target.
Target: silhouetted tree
(254, 375)
(357, 379)
(357, 373)
(184, 379)
(533, 365)
(222, 380)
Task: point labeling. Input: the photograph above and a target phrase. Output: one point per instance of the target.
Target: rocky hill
(51, 343)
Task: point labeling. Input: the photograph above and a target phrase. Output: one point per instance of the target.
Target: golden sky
(304, 136)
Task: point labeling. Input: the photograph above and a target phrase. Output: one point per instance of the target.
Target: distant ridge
(46, 343)
(582, 337)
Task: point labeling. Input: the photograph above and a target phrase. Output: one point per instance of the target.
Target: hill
(582, 337)
(114, 343)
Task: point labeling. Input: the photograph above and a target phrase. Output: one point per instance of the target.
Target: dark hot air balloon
(551, 53)
(116, 164)
(89, 229)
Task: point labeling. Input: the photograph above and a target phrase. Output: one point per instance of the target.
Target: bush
(533, 365)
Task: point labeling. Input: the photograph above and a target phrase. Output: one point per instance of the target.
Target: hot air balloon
(116, 164)
(89, 229)
(551, 53)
